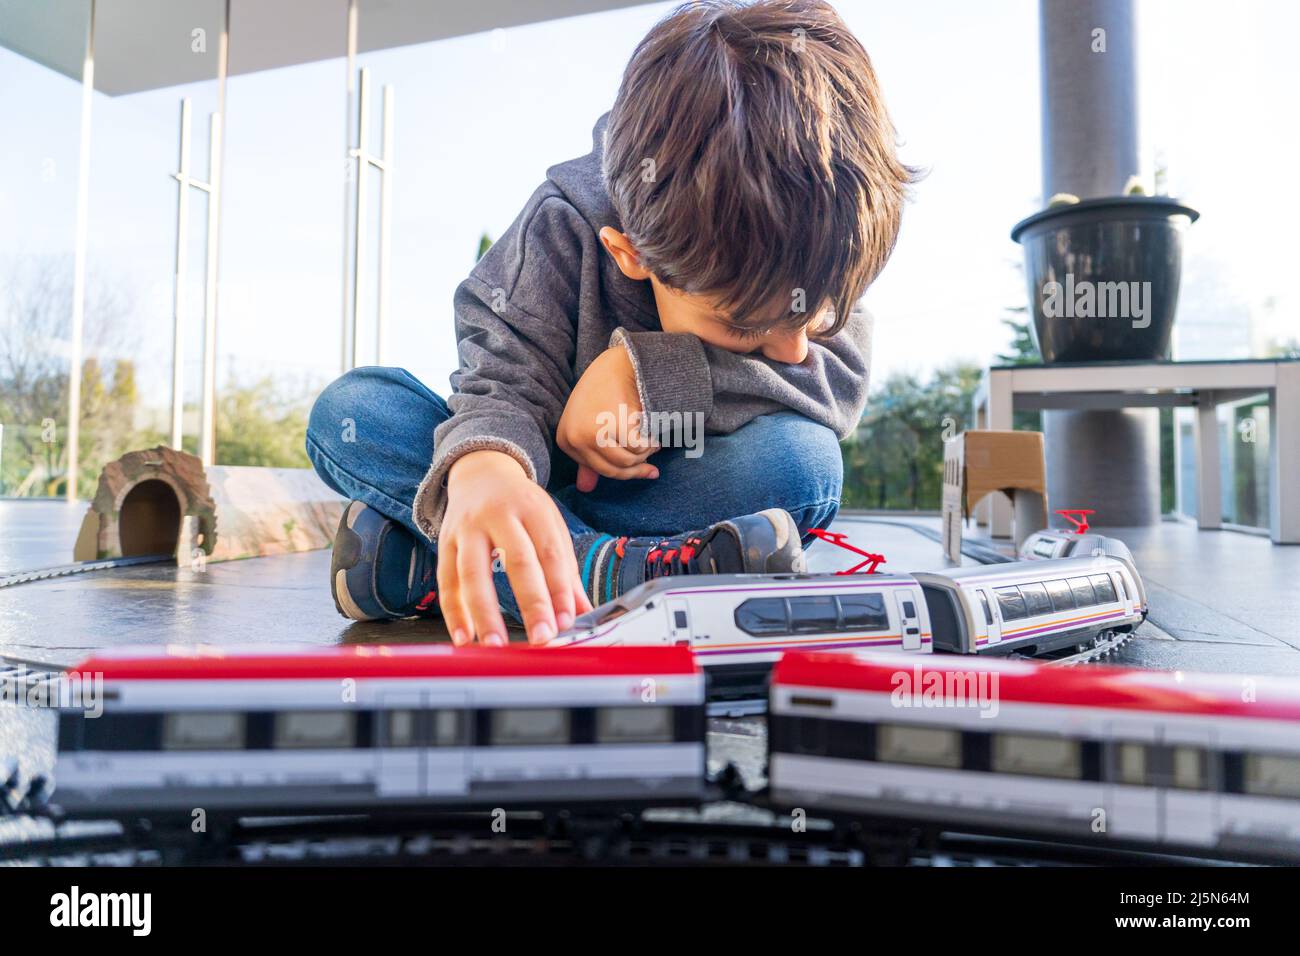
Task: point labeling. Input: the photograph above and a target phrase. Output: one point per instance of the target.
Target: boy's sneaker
(379, 570)
(762, 543)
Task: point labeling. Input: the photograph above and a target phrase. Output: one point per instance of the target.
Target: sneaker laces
(668, 557)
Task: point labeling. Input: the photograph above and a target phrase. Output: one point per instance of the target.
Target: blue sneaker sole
(353, 563)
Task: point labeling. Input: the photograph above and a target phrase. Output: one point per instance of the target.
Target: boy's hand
(492, 504)
(602, 408)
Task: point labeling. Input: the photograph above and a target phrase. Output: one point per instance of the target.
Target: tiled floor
(1229, 601)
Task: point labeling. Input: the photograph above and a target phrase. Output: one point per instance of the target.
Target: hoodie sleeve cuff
(430, 503)
(672, 371)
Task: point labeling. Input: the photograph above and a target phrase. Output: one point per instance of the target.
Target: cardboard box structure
(163, 501)
(979, 463)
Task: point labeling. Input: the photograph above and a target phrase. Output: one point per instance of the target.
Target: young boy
(696, 274)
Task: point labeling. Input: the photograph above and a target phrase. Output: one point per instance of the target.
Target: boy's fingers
(554, 546)
(474, 569)
(587, 479)
(524, 568)
(449, 593)
(581, 603)
(623, 473)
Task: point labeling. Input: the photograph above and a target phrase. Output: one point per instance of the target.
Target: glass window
(1105, 590)
(984, 601)
(762, 616)
(1036, 599)
(1272, 775)
(1037, 755)
(812, 614)
(1011, 603)
(1045, 548)
(399, 729)
(906, 743)
(314, 729)
(530, 726)
(679, 619)
(1061, 595)
(448, 728)
(203, 731)
(1189, 768)
(634, 725)
(1131, 763)
(860, 612)
(1083, 593)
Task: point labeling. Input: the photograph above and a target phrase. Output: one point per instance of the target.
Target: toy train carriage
(1031, 607)
(740, 624)
(375, 727)
(1068, 544)
(1194, 761)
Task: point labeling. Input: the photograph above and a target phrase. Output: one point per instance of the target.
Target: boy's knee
(334, 409)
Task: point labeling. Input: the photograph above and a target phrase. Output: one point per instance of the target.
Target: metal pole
(216, 162)
(345, 361)
(182, 276)
(385, 224)
(79, 263)
(359, 233)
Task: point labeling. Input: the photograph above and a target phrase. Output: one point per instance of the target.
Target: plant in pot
(1103, 275)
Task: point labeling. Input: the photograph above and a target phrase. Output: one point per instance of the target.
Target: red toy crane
(1080, 523)
(841, 540)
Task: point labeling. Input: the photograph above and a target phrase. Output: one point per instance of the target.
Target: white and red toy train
(1174, 761)
(1180, 761)
(740, 624)
(380, 727)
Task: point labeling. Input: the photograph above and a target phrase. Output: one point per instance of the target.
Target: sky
(480, 118)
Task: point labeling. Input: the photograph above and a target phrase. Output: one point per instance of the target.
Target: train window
(1011, 603)
(1045, 548)
(863, 612)
(1061, 595)
(1189, 768)
(1131, 763)
(908, 743)
(203, 731)
(812, 614)
(1105, 590)
(634, 725)
(1037, 755)
(1272, 775)
(399, 729)
(448, 728)
(762, 616)
(530, 726)
(314, 729)
(1083, 593)
(1036, 599)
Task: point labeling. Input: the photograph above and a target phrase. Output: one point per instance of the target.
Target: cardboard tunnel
(163, 501)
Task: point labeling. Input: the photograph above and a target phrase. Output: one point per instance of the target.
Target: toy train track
(534, 840)
(79, 567)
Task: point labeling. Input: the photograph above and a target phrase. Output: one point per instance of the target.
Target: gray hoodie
(547, 299)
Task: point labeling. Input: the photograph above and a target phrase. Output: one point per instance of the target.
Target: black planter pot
(1103, 276)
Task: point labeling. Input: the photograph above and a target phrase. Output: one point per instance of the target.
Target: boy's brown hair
(750, 157)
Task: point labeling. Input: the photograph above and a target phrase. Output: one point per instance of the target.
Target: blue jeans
(370, 437)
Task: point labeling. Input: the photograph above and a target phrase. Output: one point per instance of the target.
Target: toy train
(1206, 763)
(1101, 754)
(375, 728)
(739, 625)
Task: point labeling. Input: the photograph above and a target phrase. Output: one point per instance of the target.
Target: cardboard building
(984, 462)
